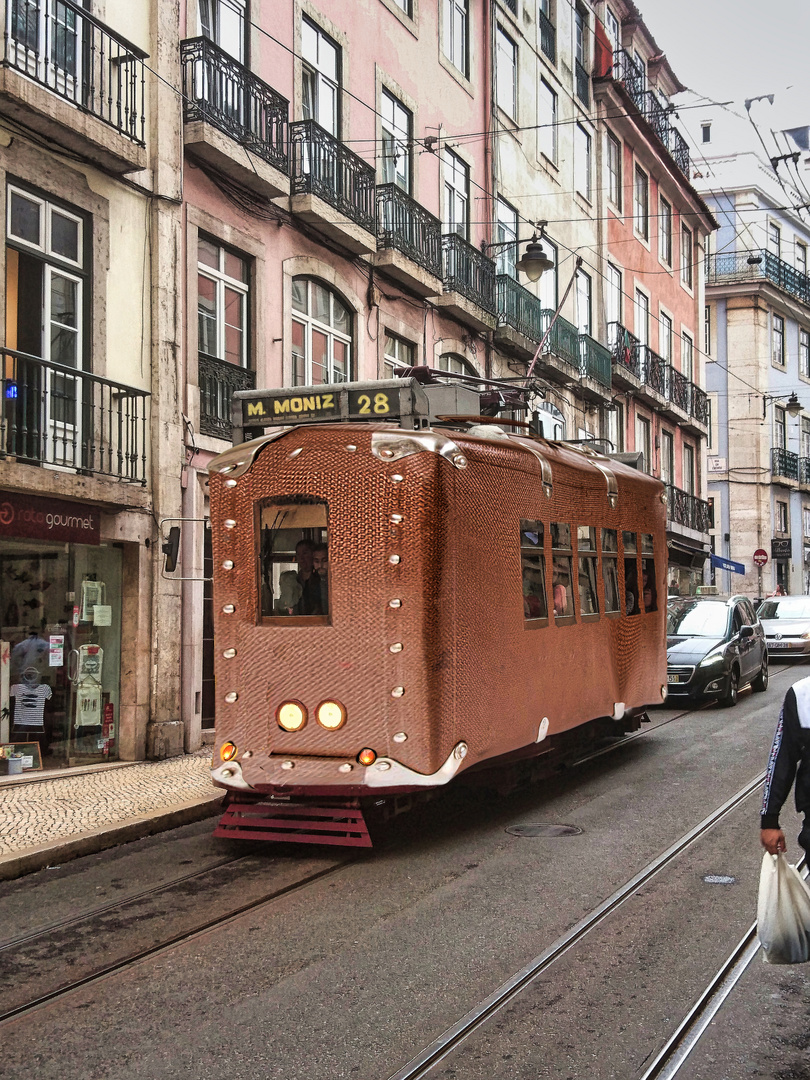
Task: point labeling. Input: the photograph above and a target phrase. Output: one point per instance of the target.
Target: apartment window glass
(582, 161)
(547, 121)
(455, 33)
(688, 469)
(456, 194)
(506, 74)
(613, 301)
(222, 303)
(806, 519)
(667, 457)
(396, 126)
(778, 340)
(580, 40)
(583, 298)
(406, 6)
(707, 330)
(321, 334)
(804, 353)
(643, 442)
(801, 257)
(665, 231)
(547, 286)
(687, 357)
(781, 516)
(398, 352)
(614, 170)
(805, 437)
(686, 256)
(779, 428)
(642, 317)
(665, 337)
(321, 77)
(641, 203)
(506, 226)
(774, 239)
(641, 69)
(706, 132)
(223, 22)
(616, 427)
(613, 30)
(455, 364)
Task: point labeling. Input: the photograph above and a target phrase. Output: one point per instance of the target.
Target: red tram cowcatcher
(402, 596)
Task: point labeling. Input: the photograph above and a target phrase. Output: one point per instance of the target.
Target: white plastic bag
(783, 912)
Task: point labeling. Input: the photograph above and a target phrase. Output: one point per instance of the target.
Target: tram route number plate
(293, 408)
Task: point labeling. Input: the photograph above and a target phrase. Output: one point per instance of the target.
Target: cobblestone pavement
(47, 810)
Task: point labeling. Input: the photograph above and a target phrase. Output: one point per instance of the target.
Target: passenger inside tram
(294, 559)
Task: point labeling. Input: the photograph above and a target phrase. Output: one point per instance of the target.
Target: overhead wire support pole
(550, 326)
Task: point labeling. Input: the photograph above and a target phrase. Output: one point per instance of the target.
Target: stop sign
(760, 556)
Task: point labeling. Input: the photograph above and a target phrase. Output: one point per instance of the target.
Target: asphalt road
(351, 974)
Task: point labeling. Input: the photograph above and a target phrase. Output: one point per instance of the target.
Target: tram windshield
(294, 559)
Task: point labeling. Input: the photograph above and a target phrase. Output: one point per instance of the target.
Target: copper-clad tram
(478, 595)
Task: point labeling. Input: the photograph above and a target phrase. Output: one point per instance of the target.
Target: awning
(680, 553)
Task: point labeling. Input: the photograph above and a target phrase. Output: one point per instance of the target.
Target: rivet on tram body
(383, 766)
(231, 697)
(351, 449)
(229, 609)
(396, 478)
(229, 523)
(247, 754)
(387, 453)
(295, 453)
(663, 692)
(230, 483)
(459, 461)
(395, 560)
(345, 767)
(229, 654)
(460, 752)
(398, 691)
(663, 497)
(395, 603)
(228, 564)
(396, 647)
(400, 737)
(396, 519)
(226, 772)
(288, 764)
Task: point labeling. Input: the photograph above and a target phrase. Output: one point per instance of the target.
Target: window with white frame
(774, 239)
(547, 120)
(224, 22)
(614, 169)
(778, 340)
(406, 6)
(456, 194)
(396, 126)
(806, 520)
(641, 203)
(804, 353)
(506, 73)
(805, 437)
(641, 68)
(583, 301)
(667, 457)
(320, 77)
(580, 37)
(686, 256)
(801, 257)
(547, 285)
(615, 424)
(687, 356)
(706, 131)
(321, 334)
(688, 469)
(613, 30)
(665, 337)
(642, 312)
(222, 302)
(455, 31)
(643, 442)
(397, 352)
(582, 161)
(453, 362)
(665, 231)
(707, 329)
(779, 428)
(781, 516)
(613, 301)
(506, 226)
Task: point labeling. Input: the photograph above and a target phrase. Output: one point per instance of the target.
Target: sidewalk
(50, 820)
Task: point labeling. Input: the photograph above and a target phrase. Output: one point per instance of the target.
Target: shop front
(60, 634)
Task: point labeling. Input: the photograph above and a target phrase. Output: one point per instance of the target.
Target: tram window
(561, 566)
(533, 567)
(649, 593)
(610, 568)
(629, 543)
(586, 552)
(647, 544)
(293, 559)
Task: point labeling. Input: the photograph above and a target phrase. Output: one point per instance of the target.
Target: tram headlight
(291, 716)
(367, 756)
(228, 751)
(331, 715)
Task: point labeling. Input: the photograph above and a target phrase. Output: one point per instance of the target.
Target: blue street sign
(719, 563)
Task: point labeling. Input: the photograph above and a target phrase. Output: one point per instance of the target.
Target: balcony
(469, 283)
(678, 392)
(699, 407)
(784, 464)
(687, 510)
(582, 82)
(218, 380)
(595, 364)
(737, 268)
(625, 70)
(326, 176)
(548, 37)
(626, 356)
(75, 82)
(409, 241)
(520, 316)
(804, 471)
(561, 353)
(57, 416)
(653, 373)
(652, 108)
(679, 151)
(228, 110)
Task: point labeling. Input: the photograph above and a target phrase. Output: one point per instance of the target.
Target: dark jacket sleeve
(782, 763)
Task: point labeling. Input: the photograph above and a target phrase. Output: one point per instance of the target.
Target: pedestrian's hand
(773, 840)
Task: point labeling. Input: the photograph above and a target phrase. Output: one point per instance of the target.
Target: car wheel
(760, 683)
(733, 688)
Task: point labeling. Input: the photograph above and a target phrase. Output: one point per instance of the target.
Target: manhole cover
(544, 830)
(719, 879)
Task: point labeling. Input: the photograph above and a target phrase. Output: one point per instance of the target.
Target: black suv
(715, 645)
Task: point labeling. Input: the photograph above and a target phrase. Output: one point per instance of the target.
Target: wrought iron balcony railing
(679, 151)
(653, 370)
(218, 380)
(627, 71)
(56, 415)
(650, 105)
(468, 271)
(657, 115)
(784, 463)
(687, 510)
(548, 36)
(626, 348)
(583, 83)
(406, 226)
(563, 340)
(757, 265)
(594, 360)
(519, 308)
(804, 470)
(323, 166)
(700, 405)
(221, 91)
(63, 47)
(679, 388)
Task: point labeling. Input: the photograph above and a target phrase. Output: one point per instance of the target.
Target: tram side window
(533, 567)
(586, 553)
(610, 568)
(631, 596)
(561, 567)
(649, 592)
(294, 558)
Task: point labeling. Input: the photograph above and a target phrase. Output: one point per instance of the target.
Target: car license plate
(778, 644)
(673, 678)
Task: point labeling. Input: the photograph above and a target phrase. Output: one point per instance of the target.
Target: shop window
(586, 554)
(562, 570)
(631, 592)
(533, 567)
(294, 560)
(610, 569)
(321, 334)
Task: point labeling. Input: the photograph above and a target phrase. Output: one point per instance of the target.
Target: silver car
(786, 621)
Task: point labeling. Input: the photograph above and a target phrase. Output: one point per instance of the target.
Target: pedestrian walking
(789, 760)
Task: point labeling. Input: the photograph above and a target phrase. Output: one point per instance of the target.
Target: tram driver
(300, 591)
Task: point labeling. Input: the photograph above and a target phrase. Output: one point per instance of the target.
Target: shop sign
(780, 548)
(31, 518)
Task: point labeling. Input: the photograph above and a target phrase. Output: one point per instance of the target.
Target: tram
(407, 592)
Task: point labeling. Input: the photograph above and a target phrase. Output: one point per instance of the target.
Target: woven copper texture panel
(470, 667)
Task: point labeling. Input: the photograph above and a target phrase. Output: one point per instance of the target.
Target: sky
(738, 49)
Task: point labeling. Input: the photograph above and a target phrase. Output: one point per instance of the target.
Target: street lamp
(533, 262)
(792, 406)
